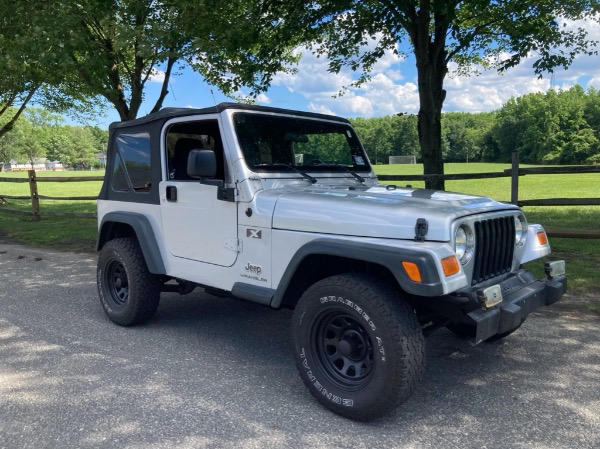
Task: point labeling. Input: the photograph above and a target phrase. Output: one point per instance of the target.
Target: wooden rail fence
(35, 197)
(514, 173)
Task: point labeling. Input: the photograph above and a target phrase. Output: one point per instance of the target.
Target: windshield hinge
(226, 194)
(421, 230)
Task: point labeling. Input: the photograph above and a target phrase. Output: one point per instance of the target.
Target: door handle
(172, 194)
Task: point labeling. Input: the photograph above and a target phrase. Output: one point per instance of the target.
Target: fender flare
(386, 256)
(143, 232)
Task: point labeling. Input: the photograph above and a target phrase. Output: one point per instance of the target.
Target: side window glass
(133, 150)
(119, 178)
(182, 138)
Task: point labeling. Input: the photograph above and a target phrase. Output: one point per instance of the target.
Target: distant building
(102, 159)
(41, 164)
(54, 166)
(18, 166)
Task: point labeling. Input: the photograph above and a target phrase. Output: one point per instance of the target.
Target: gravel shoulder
(208, 372)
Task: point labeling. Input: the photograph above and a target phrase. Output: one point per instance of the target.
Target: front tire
(128, 292)
(358, 346)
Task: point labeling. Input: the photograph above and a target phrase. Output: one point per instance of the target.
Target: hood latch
(421, 230)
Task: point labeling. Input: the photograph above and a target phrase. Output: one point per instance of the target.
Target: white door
(197, 225)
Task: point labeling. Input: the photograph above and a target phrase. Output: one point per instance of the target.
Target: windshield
(271, 142)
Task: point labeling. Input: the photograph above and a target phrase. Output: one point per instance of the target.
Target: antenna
(214, 99)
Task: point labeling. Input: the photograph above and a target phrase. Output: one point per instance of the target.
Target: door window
(182, 138)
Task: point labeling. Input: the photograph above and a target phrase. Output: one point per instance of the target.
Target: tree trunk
(431, 99)
(430, 140)
(11, 123)
(431, 70)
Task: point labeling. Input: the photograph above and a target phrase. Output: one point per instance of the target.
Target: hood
(377, 211)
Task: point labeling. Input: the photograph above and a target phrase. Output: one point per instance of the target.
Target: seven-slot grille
(494, 247)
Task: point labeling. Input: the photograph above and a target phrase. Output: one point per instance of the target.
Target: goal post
(403, 160)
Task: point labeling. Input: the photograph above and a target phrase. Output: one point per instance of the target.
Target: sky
(392, 89)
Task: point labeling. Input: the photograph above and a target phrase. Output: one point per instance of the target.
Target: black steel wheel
(128, 292)
(116, 280)
(358, 346)
(344, 349)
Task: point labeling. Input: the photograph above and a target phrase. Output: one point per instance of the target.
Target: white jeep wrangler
(282, 208)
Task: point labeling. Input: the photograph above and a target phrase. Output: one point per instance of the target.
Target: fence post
(35, 200)
(514, 185)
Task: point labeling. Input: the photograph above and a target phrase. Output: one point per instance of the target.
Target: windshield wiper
(356, 175)
(346, 169)
(300, 172)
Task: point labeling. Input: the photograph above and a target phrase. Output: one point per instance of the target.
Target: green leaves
(110, 49)
(42, 134)
(555, 127)
(473, 34)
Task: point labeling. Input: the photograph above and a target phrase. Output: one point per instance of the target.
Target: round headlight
(520, 230)
(464, 243)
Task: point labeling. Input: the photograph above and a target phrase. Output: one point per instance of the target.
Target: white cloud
(393, 89)
(382, 95)
(490, 90)
(313, 77)
(263, 99)
(157, 76)
(594, 82)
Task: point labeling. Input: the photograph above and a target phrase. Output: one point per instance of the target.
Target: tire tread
(400, 320)
(144, 297)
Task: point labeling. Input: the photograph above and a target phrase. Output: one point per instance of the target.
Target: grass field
(68, 233)
(582, 256)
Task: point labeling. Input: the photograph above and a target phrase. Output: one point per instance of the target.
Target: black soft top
(169, 113)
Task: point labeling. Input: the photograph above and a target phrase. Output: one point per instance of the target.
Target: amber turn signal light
(413, 271)
(542, 238)
(450, 265)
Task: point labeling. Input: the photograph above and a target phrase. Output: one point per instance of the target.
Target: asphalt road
(208, 372)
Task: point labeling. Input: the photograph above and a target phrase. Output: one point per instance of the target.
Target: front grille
(494, 247)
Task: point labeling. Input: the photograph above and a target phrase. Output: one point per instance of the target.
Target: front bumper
(522, 294)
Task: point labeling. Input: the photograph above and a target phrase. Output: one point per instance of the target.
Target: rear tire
(358, 346)
(128, 292)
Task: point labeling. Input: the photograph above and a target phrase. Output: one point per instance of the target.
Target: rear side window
(131, 166)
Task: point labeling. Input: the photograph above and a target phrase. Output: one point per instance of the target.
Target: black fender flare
(144, 234)
(387, 256)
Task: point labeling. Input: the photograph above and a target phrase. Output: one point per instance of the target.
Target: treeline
(545, 128)
(42, 134)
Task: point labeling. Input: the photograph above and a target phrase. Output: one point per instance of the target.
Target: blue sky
(392, 89)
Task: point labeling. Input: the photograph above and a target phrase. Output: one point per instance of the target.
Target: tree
(20, 78)
(8, 149)
(555, 127)
(470, 33)
(114, 48)
(34, 133)
(406, 140)
(592, 117)
(59, 145)
(376, 136)
(467, 135)
(27, 143)
(84, 145)
(99, 137)
(30, 65)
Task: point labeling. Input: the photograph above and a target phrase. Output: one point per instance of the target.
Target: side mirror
(202, 164)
